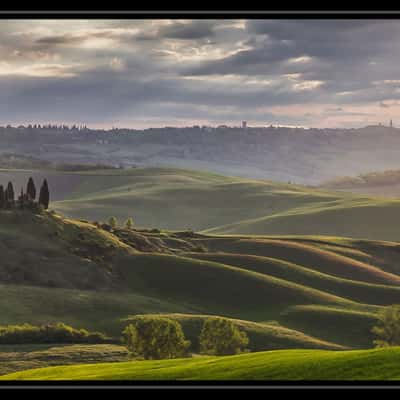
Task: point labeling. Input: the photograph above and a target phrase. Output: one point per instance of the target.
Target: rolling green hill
(262, 336)
(379, 183)
(310, 365)
(171, 198)
(295, 267)
(21, 357)
(178, 199)
(60, 268)
(349, 288)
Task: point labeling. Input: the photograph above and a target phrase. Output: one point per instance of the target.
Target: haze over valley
(304, 156)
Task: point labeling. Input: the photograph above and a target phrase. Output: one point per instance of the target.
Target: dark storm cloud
(57, 40)
(187, 31)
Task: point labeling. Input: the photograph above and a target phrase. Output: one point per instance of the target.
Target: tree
(31, 189)
(10, 194)
(44, 195)
(113, 222)
(2, 197)
(129, 223)
(219, 336)
(387, 330)
(155, 338)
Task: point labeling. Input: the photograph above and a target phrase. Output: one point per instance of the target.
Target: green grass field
(310, 365)
(63, 268)
(179, 199)
(22, 357)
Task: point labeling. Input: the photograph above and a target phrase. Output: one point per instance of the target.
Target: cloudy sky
(141, 73)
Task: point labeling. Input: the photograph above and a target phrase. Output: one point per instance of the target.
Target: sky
(151, 73)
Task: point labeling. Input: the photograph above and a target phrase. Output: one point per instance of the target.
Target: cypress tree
(10, 194)
(2, 197)
(44, 195)
(31, 189)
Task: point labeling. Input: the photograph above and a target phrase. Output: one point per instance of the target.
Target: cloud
(104, 70)
(187, 31)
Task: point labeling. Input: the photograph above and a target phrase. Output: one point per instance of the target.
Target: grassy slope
(130, 282)
(352, 289)
(222, 288)
(163, 197)
(378, 364)
(262, 336)
(344, 326)
(304, 254)
(380, 183)
(22, 357)
(367, 218)
(95, 310)
(254, 279)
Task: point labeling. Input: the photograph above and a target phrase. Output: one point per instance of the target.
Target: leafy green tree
(219, 336)
(44, 195)
(387, 329)
(129, 223)
(155, 338)
(113, 222)
(31, 189)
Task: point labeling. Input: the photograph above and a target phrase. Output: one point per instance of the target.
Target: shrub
(37, 208)
(51, 333)
(129, 223)
(113, 222)
(155, 338)
(220, 336)
(388, 327)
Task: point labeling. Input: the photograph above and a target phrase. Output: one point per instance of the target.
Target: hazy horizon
(191, 124)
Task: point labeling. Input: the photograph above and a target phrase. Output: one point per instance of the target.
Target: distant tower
(244, 124)
(391, 124)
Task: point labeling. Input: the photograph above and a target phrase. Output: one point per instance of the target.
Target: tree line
(49, 333)
(27, 199)
(153, 337)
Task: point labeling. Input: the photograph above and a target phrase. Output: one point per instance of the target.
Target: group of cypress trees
(27, 199)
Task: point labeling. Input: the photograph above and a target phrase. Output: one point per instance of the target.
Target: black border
(197, 14)
(209, 13)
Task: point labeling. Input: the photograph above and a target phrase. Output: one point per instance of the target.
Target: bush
(220, 336)
(388, 328)
(155, 338)
(37, 208)
(51, 333)
(113, 222)
(129, 223)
